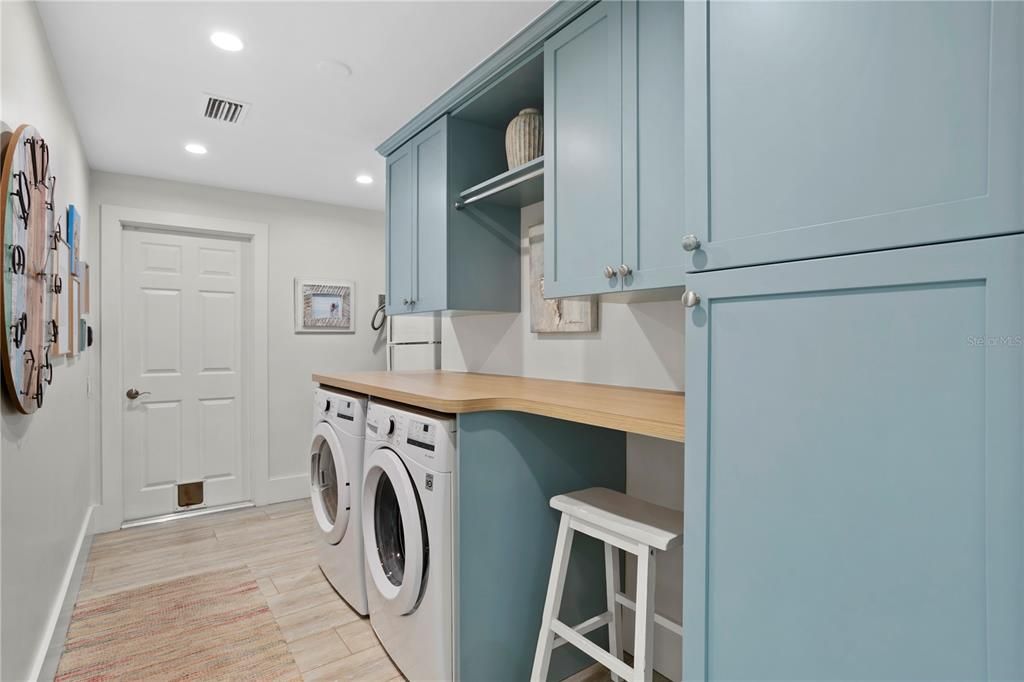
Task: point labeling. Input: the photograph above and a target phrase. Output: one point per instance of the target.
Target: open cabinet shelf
(518, 187)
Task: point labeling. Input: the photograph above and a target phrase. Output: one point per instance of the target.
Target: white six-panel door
(182, 326)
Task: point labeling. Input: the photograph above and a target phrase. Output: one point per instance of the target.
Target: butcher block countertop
(634, 410)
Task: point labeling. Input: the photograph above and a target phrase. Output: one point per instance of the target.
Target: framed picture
(74, 238)
(324, 305)
(85, 287)
(61, 298)
(555, 315)
(74, 315)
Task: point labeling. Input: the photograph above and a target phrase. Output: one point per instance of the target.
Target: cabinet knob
(609, 271)
(691, 243)
(405, 301)
(691, 298)
(625, 270)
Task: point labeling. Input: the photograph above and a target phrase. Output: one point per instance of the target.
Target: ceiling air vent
(223, 109)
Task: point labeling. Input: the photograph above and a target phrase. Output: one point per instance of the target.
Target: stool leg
(556, 582)
(611, 579)
(643, 648)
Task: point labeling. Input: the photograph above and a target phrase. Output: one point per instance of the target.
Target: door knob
(132, 393)
(691, 243)
(609, 271)
(690, 298)
(625, 270)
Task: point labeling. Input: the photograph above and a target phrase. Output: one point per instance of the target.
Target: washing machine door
(394, 531)
(330, 485)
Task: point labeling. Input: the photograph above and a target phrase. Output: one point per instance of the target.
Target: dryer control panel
(343, 411)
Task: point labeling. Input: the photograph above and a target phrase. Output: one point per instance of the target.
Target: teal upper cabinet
(841, 127)
(401, 193)
(653, 65)
(614, 150)
(582, 154)
(430, 264)
(439, 258)
(853, 485)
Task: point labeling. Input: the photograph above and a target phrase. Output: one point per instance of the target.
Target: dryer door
(330, 485)
(394, 531)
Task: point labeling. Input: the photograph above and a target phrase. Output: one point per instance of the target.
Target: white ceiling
(135, 73)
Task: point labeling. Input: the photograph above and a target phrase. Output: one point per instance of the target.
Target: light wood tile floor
(328, 640)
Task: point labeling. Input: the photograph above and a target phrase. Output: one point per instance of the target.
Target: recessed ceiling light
(364, 179)
(334, 68)
(195, 148)
(227, 41)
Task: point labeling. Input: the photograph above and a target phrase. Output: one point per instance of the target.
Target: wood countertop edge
(619, 422)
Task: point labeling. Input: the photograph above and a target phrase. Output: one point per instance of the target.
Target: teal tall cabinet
(854, 487)
(854, 505)
(614, 150)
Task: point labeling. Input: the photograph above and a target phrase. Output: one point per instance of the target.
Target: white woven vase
(524, 138)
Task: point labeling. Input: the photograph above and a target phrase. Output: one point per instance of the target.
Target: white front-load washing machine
(335, 475)
(408, 532)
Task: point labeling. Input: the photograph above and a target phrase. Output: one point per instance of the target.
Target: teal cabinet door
(843, 127)
(653, 64)
(401, 197)
(430, 264)
(853, 494)
(583, 155)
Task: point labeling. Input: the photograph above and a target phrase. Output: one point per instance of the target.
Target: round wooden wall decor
(28, 230)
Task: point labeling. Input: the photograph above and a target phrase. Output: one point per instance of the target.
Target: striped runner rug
(210, 626)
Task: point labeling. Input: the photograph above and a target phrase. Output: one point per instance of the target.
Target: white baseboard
(285, 488)
(48, 652)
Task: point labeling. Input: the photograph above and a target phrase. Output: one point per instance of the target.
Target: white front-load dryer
(336, 470)
(408, 531)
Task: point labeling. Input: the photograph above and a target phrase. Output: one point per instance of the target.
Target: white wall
(47, 458)
(305, 239)
(637, 344)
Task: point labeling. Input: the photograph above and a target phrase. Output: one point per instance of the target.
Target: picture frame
(74, 238)
(324, 306)
(74, 315)
(61, 299)
(85, 287)
(576, 314)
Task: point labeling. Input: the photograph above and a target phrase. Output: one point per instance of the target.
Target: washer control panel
(421, 435)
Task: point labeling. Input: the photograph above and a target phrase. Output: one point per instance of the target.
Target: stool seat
(641, 521)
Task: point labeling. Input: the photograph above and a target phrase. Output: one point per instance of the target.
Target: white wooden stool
(621, 522)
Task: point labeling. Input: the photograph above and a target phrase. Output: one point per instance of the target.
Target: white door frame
(113, 221)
